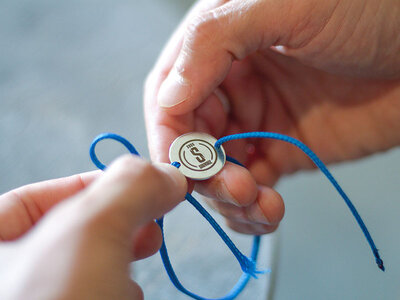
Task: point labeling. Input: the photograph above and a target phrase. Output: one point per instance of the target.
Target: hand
(80, 248)
(324, 72)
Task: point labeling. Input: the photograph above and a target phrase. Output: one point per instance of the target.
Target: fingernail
(255, 214)
(174, 90)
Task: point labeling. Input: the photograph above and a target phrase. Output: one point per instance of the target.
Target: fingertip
(269, 208)
(179, 183)
(173, 91)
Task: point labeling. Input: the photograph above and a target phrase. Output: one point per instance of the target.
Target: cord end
(379, 262)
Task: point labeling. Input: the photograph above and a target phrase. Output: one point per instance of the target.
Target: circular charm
(197, 155)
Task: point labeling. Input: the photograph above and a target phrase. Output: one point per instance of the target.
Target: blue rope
(248, 265)
(232, 294)
(111, 136)
(324, 170)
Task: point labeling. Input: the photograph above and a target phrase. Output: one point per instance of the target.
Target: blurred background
(70, 70)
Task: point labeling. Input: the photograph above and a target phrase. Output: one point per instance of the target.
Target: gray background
(72, 69)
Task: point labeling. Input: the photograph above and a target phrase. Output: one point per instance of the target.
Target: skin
(324, 72)
(74, 237)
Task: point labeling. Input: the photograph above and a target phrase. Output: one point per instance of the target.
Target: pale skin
(74, 237)
(333, 83)
(324, 72)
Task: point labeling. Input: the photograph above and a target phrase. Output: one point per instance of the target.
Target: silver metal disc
(197, 155)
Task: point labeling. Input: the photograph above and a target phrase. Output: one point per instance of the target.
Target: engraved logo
(198, 155)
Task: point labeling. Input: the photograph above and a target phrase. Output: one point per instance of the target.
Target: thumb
(130, 194)
(212, 41)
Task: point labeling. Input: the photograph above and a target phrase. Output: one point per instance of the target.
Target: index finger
(162, 128)
(21, 208)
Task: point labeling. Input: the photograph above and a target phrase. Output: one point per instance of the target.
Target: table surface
(72, 69)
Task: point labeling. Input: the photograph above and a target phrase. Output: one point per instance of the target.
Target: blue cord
(324, 170)
(111, 136)
(232, 294)
(248, 265)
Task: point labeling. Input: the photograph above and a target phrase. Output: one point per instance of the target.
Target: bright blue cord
(232, 294)
(324, 170)
(248, 265)
(111, 136)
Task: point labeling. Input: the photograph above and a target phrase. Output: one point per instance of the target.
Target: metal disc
(197, 155)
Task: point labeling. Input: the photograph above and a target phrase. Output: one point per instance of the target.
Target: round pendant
(198, 157)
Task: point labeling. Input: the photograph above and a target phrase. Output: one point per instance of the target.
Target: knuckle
(202, 26)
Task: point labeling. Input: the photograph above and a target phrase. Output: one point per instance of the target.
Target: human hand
(324, 72)
(80, 248)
